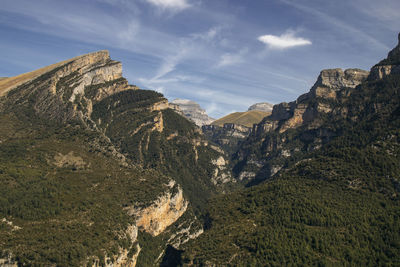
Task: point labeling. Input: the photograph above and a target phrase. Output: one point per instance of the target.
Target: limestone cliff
(168, 208)
(329, 89)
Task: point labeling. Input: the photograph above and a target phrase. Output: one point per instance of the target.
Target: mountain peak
(263, 106)
(192, 111)
(98, 57)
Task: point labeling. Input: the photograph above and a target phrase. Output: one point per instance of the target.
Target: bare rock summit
(263, 106)
(192, 111)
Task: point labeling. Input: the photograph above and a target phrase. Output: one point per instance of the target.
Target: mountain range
(97, 172)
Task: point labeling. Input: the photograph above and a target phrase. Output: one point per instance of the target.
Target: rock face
(162, 213)
(337, 79)
(192, 111)
(330, 88)
(308, 112)
(263, 106)
(122, 259)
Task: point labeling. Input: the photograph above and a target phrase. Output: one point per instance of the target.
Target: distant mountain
(264, 106)
(192, 111)
(247, 118)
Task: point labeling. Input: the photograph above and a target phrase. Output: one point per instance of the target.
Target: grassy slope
(247, 118)
(339, 206)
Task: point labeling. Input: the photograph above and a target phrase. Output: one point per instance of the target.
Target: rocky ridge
(68, 90)
(308, 112)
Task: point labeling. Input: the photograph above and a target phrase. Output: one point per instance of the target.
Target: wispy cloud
(170, 4)
(229, 59)
(186, 48)
(385, 12)
(336, 22)
(284, 41)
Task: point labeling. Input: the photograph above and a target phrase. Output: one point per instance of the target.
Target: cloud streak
(338, 23)
(170, 4)
(284, 41)
(229, 59)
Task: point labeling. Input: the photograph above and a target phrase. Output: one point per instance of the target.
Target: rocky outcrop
(192, 111)
(124, 258)
(69, 160)
(221, 174)
(8, 261)
(263, 106)
(390, 65)
(337, 79)
(168, 208)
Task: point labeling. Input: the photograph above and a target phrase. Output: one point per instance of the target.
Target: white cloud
(284, 41)
(170, 4)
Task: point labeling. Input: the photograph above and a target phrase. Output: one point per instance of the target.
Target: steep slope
(339, 205)
(247, 118)
(95, 171)
(192, 111)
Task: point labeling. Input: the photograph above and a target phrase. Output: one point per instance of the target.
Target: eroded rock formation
(155, 218)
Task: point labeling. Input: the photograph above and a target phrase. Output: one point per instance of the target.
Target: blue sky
(223, 54)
